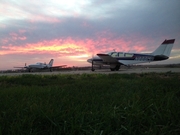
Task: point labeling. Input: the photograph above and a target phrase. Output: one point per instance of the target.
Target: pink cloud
(22, 38)
(44, 18)
(13, 34)
(16, 36)
(22, 31)
(4, 41)
(71, 46)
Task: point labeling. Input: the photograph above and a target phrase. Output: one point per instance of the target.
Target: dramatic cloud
(71, 31)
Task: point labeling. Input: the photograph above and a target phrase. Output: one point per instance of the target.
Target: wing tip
(101, 54)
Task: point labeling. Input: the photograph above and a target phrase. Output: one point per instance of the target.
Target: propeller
(92, 68)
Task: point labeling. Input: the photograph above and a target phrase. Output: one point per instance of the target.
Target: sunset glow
(72, 31)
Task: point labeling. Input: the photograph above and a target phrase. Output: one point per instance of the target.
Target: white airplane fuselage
(116, 59)
(39, 65)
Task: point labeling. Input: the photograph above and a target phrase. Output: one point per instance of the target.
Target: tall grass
(90, 104)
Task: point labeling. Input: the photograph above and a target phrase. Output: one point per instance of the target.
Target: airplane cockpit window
(121, 54)
(39, 63)
(128, 55)
(114, 54)
(110, 53)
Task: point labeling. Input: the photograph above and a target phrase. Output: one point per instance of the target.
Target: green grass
(90, 104)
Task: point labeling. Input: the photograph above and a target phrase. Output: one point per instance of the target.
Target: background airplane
(116, 59)
(41, 66)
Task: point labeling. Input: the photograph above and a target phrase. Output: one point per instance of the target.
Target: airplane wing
(59, 66)
(108, 59)
(131, 62)
(20, 67)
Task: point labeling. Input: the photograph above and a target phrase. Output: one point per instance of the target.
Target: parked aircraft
(116, 59)
(41, 66)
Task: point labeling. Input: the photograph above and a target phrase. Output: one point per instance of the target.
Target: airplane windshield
(39, 63)
(113, 54)
(110, 53)
(117, 54)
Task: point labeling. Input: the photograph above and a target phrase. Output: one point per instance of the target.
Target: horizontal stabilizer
(20, 67)
(59, 66)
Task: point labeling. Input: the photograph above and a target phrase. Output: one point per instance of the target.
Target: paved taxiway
(100, 71)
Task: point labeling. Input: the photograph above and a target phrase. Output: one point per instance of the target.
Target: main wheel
(117, 67)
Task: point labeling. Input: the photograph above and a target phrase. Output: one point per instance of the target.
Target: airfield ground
(100, 71)
(79, 101)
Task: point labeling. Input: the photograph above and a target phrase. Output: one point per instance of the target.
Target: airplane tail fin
(51, 62)
(165, 48)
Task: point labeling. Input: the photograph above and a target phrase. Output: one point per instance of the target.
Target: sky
(72, 31)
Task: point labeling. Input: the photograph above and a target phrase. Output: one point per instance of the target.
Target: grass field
(90, 104)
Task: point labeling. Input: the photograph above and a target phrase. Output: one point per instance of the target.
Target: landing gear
(92, 68)
(115, 67)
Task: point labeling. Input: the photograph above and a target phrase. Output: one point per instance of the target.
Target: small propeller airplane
(41, 66)
(116, 59)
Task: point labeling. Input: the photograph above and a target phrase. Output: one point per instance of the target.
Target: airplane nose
(89, 60)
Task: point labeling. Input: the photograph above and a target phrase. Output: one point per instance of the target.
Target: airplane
(41, 66)
(116, 59)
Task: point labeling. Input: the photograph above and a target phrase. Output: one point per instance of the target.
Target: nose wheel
(92, 68)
